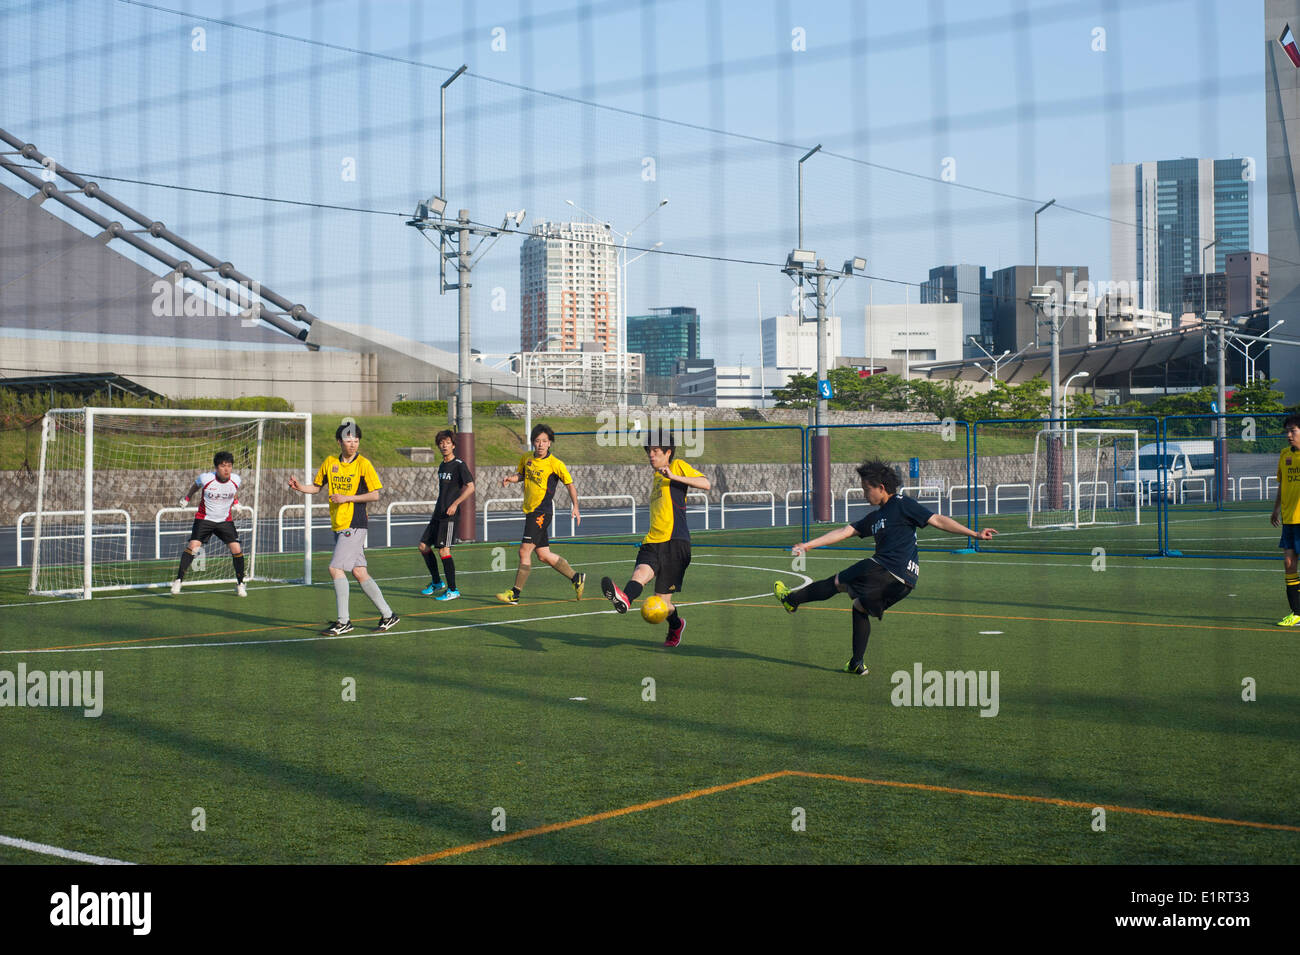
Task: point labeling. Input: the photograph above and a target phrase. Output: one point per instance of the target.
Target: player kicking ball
(1286, 514)
(352, 483)
(541, 472)
(455, 484)
(218, 492)
(666, 550)
(882, 580)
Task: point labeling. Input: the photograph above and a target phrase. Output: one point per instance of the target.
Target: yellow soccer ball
(655, 609)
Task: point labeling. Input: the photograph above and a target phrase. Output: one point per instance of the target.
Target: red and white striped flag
(1288, 43)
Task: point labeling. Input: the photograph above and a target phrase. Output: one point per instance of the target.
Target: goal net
(1084, 476)
(108, 510)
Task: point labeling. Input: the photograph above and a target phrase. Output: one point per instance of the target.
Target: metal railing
(159, 533)
(388, 515)
(80, 535)
(280, 527)
(769, 495)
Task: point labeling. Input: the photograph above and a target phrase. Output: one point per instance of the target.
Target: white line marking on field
(321, 638)
(61, 853)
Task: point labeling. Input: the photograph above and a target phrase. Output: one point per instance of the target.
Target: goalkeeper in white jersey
(218, 492)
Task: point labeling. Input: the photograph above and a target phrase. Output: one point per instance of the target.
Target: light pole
(526, 358)
(621, 316)
(1205, 305)
(1065, 412)
(796, 266)
(430, 215)
(1041, 208)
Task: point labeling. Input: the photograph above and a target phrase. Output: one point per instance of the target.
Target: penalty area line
(69, 854)
(856, 780)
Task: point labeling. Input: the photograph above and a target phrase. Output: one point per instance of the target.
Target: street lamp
(528, 380)
(621, 317)
(1205, 305)
(1041, 208)
(1065, 413)
(996, 361)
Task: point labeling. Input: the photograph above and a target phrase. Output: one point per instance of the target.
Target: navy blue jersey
(894, 526)
(453, 475)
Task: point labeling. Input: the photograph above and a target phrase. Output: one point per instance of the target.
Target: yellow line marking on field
(586, 820)
(857, 780)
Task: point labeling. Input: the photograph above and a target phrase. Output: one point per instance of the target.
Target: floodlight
(798, 258)
(1039, 294)
(857, 264)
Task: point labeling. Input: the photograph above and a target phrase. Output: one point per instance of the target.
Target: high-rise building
(1165, 213)
(1247, 282)
(1015, 320)
(1282, 130)
(969, 287)
(790, 343)
(663, 337)
(568, 277)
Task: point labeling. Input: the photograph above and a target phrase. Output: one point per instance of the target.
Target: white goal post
(96, 463)
(1084, 476)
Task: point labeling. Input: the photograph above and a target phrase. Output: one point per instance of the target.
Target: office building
(791, 344)
(1282, 131)
(911, 334)
(1165, 213)
(1016, 321)
(664, 336)
(969, 287)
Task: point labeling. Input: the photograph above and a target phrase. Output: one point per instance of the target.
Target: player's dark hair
(663, 440)
(541, 429)
(223, 457)
(437, 439)
(1291, 419)
(880, 474)
(349, 427)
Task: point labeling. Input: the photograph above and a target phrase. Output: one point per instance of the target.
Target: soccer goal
(1083, 476)
(108, 501)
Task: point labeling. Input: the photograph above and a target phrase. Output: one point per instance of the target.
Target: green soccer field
(558, 731)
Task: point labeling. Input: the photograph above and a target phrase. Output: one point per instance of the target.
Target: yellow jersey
(358, 476)
(1288, 483)
(540, 478)
(668, 505)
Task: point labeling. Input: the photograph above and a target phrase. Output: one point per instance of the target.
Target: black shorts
(439, 533)
(873, 586)
(225, 531)
(669, 560)
(537, 527)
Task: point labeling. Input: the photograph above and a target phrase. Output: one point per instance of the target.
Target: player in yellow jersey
(1286, 513)
(352, 483)
(541, 473)
(666, 551)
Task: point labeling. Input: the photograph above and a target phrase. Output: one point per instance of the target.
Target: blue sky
(1020, 102)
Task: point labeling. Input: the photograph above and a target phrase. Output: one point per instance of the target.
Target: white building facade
(568, 281)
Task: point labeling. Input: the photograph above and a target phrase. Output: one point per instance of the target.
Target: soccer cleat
(508, 597)
(614, 595)
(448, 595)
(675, 633)
(1290, 620)
(433, 590)
(783, 594)
(857, 669)
(176, 587)
(386, 623)
(579, 585)
(337, 627)
(241, 590)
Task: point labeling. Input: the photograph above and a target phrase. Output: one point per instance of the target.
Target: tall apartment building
(1165, 213)
(969, 287)
(568, 277)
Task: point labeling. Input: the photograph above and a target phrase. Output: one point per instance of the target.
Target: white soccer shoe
(241, 590)
(176, 587)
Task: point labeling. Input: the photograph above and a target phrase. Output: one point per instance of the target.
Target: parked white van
(1186, 465)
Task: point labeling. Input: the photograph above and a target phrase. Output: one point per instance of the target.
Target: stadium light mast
(796, 266)
(459, 232)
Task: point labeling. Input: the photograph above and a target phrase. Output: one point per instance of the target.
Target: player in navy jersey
(218, 491)
(880, 581)
(455, 484)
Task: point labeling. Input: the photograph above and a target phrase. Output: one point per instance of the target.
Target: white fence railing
(698, 495)
(1256, 482)
(998, 496)
(798, 506)
(159, 533)
(768, 495)
(388, 515)
(123, 530)
(582, 498)
(280, 525)
(981, 497)
(1193, 482)
(925, 492)
(487, 506)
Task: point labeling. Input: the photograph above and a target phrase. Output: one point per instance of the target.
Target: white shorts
(349, 549)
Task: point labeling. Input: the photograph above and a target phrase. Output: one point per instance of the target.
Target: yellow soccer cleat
(508, 597)
(782, 593)
(1290, 620)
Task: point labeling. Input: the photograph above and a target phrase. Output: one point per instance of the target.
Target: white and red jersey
(217, 499)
